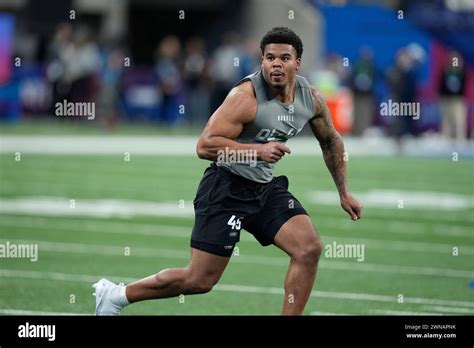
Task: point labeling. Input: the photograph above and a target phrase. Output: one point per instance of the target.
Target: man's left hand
(351, 206)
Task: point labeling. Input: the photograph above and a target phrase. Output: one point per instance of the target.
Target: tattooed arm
(333, 153)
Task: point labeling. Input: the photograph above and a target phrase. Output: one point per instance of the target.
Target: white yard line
(389, 244)
(99, 145)
(330, 313)
(185, 145)
(100, 173)
(10, 273)
(93, 207)
(118, 251)
(445, 309)
(143, 145)
(379, 198)
(395, 312)
(397, 269)
(401, 227)
(125, 208)
(13, 311)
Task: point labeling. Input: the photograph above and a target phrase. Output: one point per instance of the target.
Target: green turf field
(408, 250)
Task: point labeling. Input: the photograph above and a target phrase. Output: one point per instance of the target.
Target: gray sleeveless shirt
(274, 121)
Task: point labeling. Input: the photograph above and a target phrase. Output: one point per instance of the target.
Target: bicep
(229, 119)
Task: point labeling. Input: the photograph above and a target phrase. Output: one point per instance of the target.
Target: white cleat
(105, 301)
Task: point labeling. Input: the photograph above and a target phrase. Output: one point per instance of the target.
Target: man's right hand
(272, 151)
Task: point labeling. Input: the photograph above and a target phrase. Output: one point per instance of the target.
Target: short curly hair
(283, 35)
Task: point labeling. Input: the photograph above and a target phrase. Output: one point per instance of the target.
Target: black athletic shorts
(225, 203)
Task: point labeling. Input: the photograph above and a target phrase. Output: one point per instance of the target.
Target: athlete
(253, 123)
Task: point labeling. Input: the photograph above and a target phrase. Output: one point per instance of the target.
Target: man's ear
(298, 63)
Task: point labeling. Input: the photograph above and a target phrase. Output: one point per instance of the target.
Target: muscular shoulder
(246, 88)
(242, 100)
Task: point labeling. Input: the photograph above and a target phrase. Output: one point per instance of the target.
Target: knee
(310, 252)
(201, 285)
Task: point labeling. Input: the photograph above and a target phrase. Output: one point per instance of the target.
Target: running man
(256, 119)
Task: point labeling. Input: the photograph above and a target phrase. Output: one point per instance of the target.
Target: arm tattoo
(331, 144)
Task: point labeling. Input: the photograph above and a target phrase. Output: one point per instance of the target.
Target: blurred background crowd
(172, 64)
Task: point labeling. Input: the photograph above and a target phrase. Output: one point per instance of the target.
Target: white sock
(123, 295)
(118, 296)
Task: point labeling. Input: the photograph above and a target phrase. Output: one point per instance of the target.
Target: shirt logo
(286, 118)
(275, 135)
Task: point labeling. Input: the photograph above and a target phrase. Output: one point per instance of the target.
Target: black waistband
(240, 179)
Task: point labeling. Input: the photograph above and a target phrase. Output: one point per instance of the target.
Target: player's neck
(285, 95)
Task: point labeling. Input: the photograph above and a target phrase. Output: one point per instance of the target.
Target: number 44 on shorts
(234, 221)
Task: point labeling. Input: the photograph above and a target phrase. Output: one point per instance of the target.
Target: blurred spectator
(56, 66)
(74, 64)
(111, 75)
(335, 63)
(251, 57)
(451, 89)
(168, 70)
(82, 66)
(362, 83)
(402, 79)
(196, 74)
(226, 69)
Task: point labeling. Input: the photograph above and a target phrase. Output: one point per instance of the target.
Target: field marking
(184, 232)
(93, 207)
(10, 273)
(347, 296)
(118, 251)
(149, 145)
(397, 269)
(331, 313)
(149, 175)
(445, 309)
(185, 145)
(388, 244)
(395, 312)
(125, 208)
(13, 311)
(378, 311)
(106, 227)
(402, 227)
(99, 145)
(390, 199)
(107, 207)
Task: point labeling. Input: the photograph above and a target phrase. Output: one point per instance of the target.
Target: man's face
(279, 64)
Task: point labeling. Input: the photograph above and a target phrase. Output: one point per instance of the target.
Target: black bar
(242, 330)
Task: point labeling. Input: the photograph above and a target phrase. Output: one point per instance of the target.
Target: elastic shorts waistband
(238, 178)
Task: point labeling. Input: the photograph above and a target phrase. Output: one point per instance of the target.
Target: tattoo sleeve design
(331, 144)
